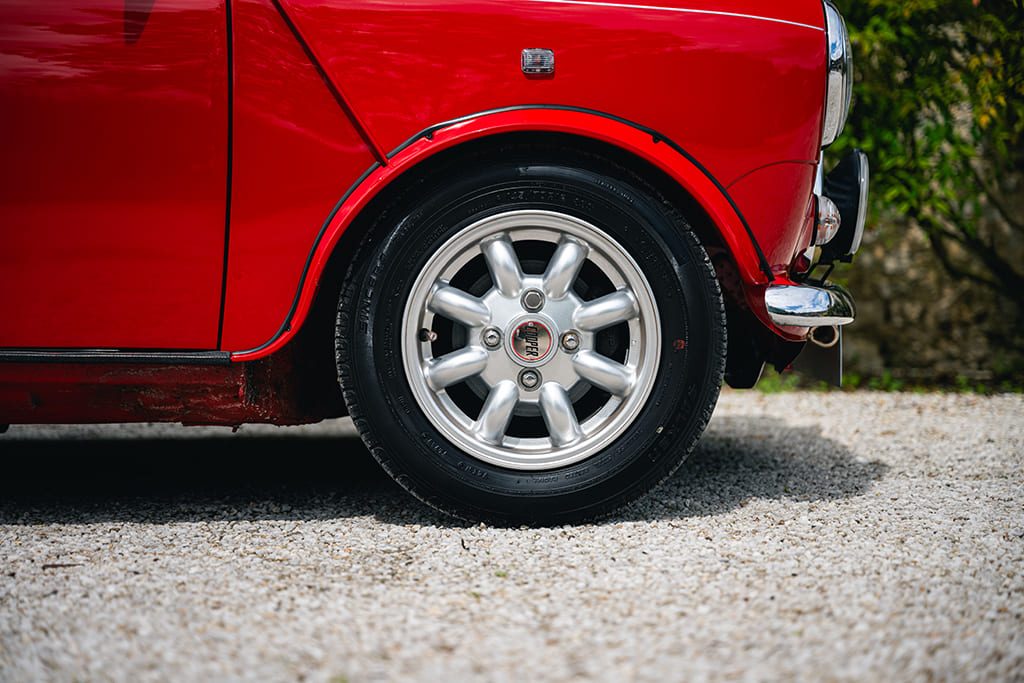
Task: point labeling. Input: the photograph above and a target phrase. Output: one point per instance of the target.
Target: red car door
(114, 131)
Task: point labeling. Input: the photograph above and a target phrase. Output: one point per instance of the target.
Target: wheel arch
(676, 176)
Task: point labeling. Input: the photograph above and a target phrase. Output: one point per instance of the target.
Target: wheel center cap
(530, 341)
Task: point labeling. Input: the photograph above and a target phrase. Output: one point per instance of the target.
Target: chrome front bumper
(809, 306)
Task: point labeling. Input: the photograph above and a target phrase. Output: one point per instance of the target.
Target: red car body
(183, 180)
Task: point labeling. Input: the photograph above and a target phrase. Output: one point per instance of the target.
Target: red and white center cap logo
(531, 341)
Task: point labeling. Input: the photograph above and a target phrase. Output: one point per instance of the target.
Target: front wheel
(531, 342)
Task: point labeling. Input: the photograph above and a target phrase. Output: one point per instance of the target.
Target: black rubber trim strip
(286, 325)
(230, 165)
(113, 356)
(655, 135)
(428, 133)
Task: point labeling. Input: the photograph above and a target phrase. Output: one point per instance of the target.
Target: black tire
(692, 357)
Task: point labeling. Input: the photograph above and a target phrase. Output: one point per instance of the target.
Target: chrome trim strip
(819, 176)
(683, 10)
(819, 182)
(809, 306)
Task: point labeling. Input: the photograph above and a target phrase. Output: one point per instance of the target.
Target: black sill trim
(429, 133)
(114, 356)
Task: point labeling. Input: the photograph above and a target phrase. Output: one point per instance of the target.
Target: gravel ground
(811, 536)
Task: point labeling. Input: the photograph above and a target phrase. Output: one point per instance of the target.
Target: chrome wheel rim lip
(559, 367)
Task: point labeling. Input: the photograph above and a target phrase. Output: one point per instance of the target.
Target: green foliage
(886, 382)
(774, 382)
(939, 107)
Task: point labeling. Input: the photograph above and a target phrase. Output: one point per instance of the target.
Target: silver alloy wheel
(531, 339)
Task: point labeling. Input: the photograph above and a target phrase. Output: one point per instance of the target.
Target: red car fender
(633, 138)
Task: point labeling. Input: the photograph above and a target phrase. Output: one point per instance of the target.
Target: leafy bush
(939, 107)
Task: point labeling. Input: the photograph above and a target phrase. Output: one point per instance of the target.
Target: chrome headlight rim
(839, 80)
(863, 179)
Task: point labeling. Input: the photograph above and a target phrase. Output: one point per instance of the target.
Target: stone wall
(917, 323)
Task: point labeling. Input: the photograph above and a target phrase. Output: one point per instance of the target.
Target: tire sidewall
(672, 418)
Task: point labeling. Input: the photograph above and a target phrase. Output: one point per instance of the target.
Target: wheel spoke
(459, 306)
(503, 265)
(608, 310)
(497, 412)
(454, 367)
(558, 414)
(563, 268)
(602, 372)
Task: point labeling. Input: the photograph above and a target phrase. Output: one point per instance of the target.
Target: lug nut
(491, 338)
(530, 379)
(533, 300)
(570, 341)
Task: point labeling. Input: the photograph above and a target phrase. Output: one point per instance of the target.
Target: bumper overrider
(809, 306)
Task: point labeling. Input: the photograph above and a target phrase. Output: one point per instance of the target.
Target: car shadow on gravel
(746, 458)
(312, 477)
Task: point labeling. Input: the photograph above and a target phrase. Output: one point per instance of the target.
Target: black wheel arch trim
(428, 133)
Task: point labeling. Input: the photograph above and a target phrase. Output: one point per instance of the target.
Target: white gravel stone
(811, 536)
